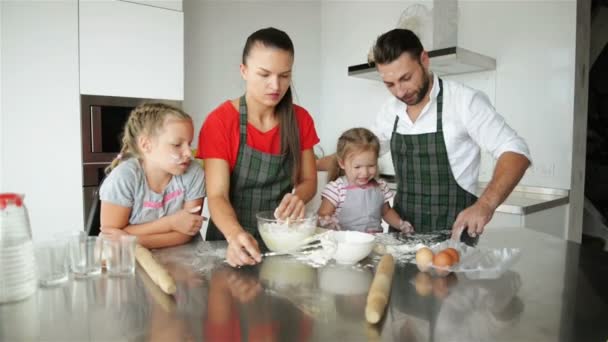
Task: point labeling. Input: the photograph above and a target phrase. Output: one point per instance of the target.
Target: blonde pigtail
(146, 118)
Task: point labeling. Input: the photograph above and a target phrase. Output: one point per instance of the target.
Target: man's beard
(424, 88)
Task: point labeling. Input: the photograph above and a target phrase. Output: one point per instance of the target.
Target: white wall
(40, 112)
(1, 110)
(215, 33)
(348, 31)
(534, 76)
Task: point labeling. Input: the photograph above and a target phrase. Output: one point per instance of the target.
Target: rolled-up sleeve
(490, 130)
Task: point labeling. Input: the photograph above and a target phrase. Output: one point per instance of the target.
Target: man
(434, 130)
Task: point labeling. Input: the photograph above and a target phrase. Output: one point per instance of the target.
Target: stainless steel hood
(448, 61)
(446, 55)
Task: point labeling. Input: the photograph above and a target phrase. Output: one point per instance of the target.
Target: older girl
(153, 190)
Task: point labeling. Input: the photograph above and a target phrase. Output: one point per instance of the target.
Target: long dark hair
(288, 125)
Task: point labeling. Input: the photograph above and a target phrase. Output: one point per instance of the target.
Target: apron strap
(243, 120)
(439, 110)
(440, 107)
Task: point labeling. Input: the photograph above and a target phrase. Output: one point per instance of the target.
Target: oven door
(93, 175)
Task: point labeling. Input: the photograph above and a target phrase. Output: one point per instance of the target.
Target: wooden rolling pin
(380, 289)
(156, 271)
(165, 301)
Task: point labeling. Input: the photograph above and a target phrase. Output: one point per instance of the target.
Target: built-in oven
(103, 119)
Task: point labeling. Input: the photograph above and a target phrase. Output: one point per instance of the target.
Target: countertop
(522, 201)
(544, 297)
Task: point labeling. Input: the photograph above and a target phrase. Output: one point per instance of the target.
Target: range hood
(447, 57)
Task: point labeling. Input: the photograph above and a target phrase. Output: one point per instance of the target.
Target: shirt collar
(401, 107)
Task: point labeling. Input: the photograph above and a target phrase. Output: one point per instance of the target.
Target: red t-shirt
(219, 135)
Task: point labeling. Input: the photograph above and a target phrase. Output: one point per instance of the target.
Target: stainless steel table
(542, 298)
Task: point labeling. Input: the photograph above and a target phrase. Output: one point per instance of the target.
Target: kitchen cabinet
(131, 50)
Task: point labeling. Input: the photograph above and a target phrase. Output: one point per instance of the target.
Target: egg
(424, 258)
(442, 260)
(454, 254)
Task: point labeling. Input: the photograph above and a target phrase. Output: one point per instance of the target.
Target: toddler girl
(355, 199)
(153, 190)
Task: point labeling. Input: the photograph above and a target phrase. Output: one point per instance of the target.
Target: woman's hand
(242, 250)
(186, 222)
(291, 207)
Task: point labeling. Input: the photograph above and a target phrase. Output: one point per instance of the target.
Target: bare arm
(326, 208)
(242, 247)
(509, 170)
(293, 205)
(217, 179)
(163, 240)
(167, 231)
(392, 217)
(326, 163)
(307, 186)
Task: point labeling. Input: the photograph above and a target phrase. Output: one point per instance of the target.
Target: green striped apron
(427, 193)
(258, 182)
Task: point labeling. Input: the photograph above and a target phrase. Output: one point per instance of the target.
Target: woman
(257, 149)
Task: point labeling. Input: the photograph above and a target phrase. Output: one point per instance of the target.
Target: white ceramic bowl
(352, 246)
(280, 236)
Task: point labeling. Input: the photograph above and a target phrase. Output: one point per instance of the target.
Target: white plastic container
(18, 278)
(477, 262)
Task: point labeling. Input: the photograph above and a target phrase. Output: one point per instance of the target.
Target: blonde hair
(147, 119)
(352, 141)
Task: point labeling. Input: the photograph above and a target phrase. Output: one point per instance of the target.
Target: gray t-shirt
(127, 186)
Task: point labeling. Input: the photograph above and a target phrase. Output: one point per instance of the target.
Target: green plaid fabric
(258, 182)
(427, 193)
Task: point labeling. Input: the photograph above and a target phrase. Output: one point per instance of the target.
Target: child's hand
(406, 227)
(186, 223)
(329, 222)
(112, 233)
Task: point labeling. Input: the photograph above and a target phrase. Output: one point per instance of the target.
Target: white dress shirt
(469, 122)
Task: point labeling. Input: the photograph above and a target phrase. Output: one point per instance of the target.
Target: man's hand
(473, 218)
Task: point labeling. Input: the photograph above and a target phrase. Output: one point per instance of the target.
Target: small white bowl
(352, 246)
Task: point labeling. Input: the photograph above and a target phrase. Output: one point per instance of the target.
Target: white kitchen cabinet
(131, 50)
(175, 5)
